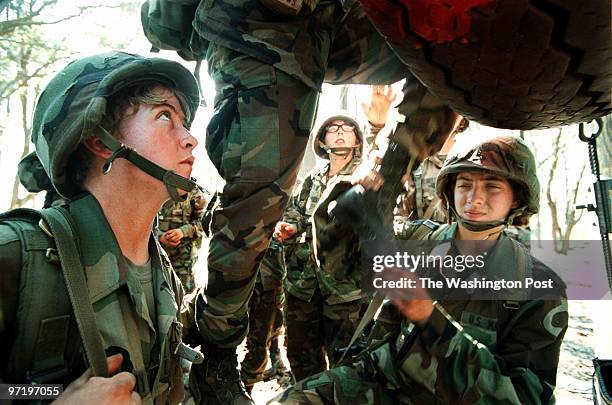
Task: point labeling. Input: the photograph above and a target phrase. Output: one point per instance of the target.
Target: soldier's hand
(166, 239)
(377, 111)
(367, 175)
(417, 311)
(284, 231)
(118, 389)
(175, 235)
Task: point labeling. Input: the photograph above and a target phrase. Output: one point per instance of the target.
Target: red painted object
(440, 21)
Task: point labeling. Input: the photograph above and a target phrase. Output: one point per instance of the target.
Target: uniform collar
(105, 266)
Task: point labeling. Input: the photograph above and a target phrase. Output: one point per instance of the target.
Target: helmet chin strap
(340, 151)
(476, 226)
(171, 180)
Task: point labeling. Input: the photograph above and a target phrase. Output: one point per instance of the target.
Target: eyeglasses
(334, 128)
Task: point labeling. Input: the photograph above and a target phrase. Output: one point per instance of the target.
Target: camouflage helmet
(504, 156)
(32, 174)
(73, 104)
(322, 130)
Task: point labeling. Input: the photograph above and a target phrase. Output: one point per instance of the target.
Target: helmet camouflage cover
(322, 130)
(32, 174)
(73, 104)
(504, 156)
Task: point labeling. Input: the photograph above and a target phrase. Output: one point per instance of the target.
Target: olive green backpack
(54, 306)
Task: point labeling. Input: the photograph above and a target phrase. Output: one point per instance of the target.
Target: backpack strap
(60, 226)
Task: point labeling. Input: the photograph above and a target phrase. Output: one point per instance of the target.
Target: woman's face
(342, 137)
(483, 197)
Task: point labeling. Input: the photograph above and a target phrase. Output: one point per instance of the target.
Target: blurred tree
(28, 55)
(562, 191)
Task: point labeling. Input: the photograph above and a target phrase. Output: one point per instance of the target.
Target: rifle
(603, 196)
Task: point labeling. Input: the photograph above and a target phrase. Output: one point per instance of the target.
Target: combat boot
(278, 370)
(216, 380)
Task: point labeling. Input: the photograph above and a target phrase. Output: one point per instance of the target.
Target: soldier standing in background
(323, 300)
(180, 233)
(322, 305)
(419, 201)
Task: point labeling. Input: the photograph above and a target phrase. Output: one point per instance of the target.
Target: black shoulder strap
(60, 226)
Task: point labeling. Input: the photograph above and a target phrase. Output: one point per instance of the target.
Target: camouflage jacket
(485, 352)
(186, 215)
(296, 45)
(338, 284)
(118, 301)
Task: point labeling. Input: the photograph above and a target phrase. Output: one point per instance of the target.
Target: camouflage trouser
(315, 329)
(266, 315)
(357, 383)
(256, 139)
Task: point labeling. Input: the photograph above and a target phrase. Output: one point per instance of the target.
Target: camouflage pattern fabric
(186, 215)
(326, 42)
(520, 233)
(264, 111)
(338, 283)
(118, 301)
(323, 303)
(468, 352)
(420, 191)
(266, 315)
(32, 175)
(315, 329)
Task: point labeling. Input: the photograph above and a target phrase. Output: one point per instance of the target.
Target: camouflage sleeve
(295, 213)
(452, 365)
(370, 138)
(10, 267)
(194, 229)
(387, 322)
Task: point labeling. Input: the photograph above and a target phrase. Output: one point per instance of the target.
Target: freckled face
(158, 133)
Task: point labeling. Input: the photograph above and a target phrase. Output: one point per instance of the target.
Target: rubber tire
(523, 64)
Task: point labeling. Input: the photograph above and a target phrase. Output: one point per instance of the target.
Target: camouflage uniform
(113, 292)
(268, 71)
(420, 192)
(323, 303)
(186, 215)
(137, 308)
(468, 352)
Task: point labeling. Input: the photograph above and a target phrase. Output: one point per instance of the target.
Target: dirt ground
(575, 366)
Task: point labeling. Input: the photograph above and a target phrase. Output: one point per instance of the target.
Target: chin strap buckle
(121, 152)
